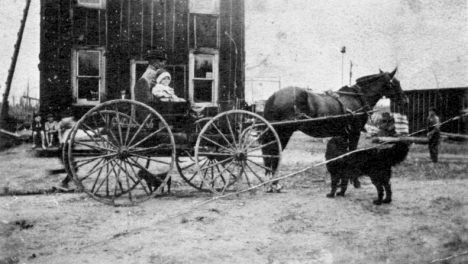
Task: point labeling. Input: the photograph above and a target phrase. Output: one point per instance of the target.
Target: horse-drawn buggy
(122, 151)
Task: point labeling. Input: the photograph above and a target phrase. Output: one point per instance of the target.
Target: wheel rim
(236, 138)
(121, 152)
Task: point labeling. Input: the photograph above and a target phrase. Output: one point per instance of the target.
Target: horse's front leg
(353, 141)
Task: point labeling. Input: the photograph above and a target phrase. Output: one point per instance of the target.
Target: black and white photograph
(234, 131)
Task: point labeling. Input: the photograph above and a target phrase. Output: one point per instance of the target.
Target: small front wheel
(234, 141)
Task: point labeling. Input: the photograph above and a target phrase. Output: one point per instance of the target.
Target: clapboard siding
(127, 30)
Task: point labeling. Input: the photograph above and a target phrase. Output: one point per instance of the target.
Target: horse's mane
(370, 78)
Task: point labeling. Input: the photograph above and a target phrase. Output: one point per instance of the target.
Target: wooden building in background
(90, 50)
(450, 102)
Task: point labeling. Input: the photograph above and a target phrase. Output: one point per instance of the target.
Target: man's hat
(156, 54)
(50, 115)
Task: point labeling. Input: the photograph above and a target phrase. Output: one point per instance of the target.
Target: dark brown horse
(293, 102)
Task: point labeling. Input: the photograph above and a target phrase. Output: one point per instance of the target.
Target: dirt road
(428, 220)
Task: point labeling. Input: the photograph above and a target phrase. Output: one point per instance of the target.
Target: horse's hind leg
(272, 150)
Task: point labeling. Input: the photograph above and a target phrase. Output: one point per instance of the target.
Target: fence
(449, 102)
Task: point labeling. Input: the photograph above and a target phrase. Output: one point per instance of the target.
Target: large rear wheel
(121, 152)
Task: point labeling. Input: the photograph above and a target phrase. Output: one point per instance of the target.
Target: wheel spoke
(109, 127)
(139, 129)
(262, 146)
(119, 126)
(94, 170)
(259, 165)
(167, 146)
(140, 180)
(98, 157)
(222, 134)
(245, 173)
(105, 180)
(94, 147)
(217, 144)
(98, 134)
(99, 175)
(147, 137)
(259, 136)
(231, 131)
(220, 162)
(256, 175)
(196, 172)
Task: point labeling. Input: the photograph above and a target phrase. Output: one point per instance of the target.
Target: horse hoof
(330, 195)
(387, 201)
(340, 194)
(377, 202)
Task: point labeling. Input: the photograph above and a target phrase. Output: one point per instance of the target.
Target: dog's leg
(387, 186)
(380, 191)
(343, 185)
(334, 184)
(169, 182)
(388, 192)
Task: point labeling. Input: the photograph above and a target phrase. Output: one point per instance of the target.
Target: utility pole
(4, 111)
(343, 51)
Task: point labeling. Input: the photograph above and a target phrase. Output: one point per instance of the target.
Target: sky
(300, 42)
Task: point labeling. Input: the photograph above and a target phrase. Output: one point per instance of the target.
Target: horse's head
(383, 84)
(392, 88)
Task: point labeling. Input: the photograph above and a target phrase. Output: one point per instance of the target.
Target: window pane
(206, 31)
(204, 66)
(88, 63)
(204, 6)
(88, 88)
(202, 91)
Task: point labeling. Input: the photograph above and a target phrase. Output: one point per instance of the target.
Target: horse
(293, 103)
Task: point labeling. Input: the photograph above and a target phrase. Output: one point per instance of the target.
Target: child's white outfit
(164, 92)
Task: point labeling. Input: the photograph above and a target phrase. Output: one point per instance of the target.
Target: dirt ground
(427, 221)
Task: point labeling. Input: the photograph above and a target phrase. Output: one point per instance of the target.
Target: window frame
(214, 79)
(75, 76)
(213, 10)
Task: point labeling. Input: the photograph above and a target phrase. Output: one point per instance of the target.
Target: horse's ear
(380, 70)
(393, 73)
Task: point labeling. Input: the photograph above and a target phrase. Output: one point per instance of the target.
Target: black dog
(375, 163)
(154, 180)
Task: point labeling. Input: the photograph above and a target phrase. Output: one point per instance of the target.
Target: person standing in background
(433, 134)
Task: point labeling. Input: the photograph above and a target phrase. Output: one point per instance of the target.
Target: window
(88, 76)
(203, 72)
(177, 72)
(98, 4)
(204, 6)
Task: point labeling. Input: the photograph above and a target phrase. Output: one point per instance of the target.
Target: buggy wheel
(121, 152)
(234, 140)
